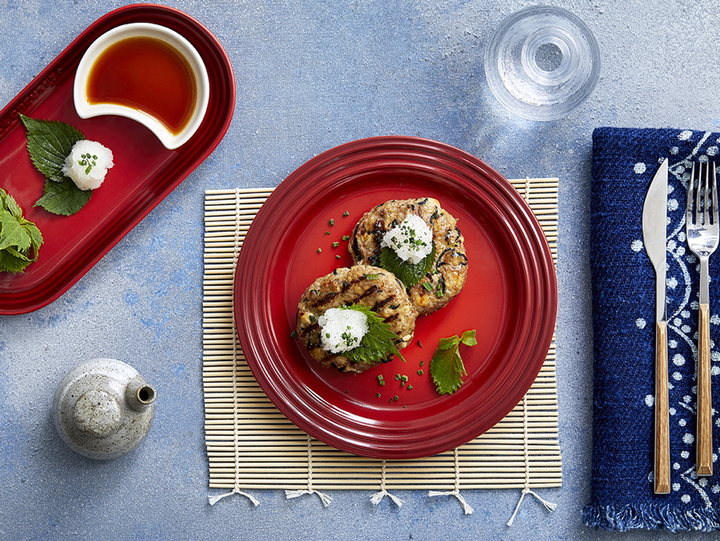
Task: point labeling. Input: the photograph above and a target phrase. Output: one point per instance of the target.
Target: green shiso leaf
(63, 198)
(12, 261)
(35, 236)
(378, 343)
(13, 234)
(8, 203)
(20, 239)
(446, 366)
(408, 273)
(49, 143)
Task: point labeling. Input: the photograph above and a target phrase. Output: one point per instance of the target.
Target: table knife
(654, 226)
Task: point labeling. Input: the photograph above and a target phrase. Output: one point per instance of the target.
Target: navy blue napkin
(623, 293)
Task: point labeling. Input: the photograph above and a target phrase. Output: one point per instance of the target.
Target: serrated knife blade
(654, 227)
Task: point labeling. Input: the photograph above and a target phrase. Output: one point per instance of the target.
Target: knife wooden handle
(662, 420)
(704, 405)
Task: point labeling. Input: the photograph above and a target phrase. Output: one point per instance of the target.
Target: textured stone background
(312, 75)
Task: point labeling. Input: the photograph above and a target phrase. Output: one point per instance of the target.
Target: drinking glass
(542, 62)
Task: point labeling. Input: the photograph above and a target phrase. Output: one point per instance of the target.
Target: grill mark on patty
(392, 318)
(369, 292)
(381, 303)
(326, 299)
(346, 286)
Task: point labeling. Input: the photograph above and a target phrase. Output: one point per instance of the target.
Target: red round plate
(510, 299)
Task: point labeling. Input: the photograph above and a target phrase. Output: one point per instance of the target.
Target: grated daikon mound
(87, 164)
(342, 329)
(411, 240)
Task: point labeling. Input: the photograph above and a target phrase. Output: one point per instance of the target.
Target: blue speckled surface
(312, 75)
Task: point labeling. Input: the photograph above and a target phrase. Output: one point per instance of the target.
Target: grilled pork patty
(449, 271)
(369, 286)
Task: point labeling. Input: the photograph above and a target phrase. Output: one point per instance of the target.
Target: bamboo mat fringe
(252, 446)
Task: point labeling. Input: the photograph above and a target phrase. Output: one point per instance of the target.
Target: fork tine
(689, 206)
(714, 195)
(698, 195)
(706, 184)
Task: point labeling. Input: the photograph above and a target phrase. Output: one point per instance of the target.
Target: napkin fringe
(651, 517)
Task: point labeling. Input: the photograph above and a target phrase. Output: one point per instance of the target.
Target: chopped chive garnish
(346, 213)
(332, 221)
(336, 244)
(90, 161)
(346, 237)
(420, 372)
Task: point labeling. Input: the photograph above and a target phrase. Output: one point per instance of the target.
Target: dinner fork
(702, 238)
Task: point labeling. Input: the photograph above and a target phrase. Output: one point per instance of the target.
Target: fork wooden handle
(704, 464)
(662, 420)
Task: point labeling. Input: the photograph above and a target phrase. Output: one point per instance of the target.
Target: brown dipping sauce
(146, 74)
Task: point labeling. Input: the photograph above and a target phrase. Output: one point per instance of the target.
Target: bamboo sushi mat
(251, 445)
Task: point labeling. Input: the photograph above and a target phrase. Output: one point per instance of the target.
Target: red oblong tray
(510, 299)
(144, 172)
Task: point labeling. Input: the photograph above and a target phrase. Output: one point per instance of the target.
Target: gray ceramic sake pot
(103, 408)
